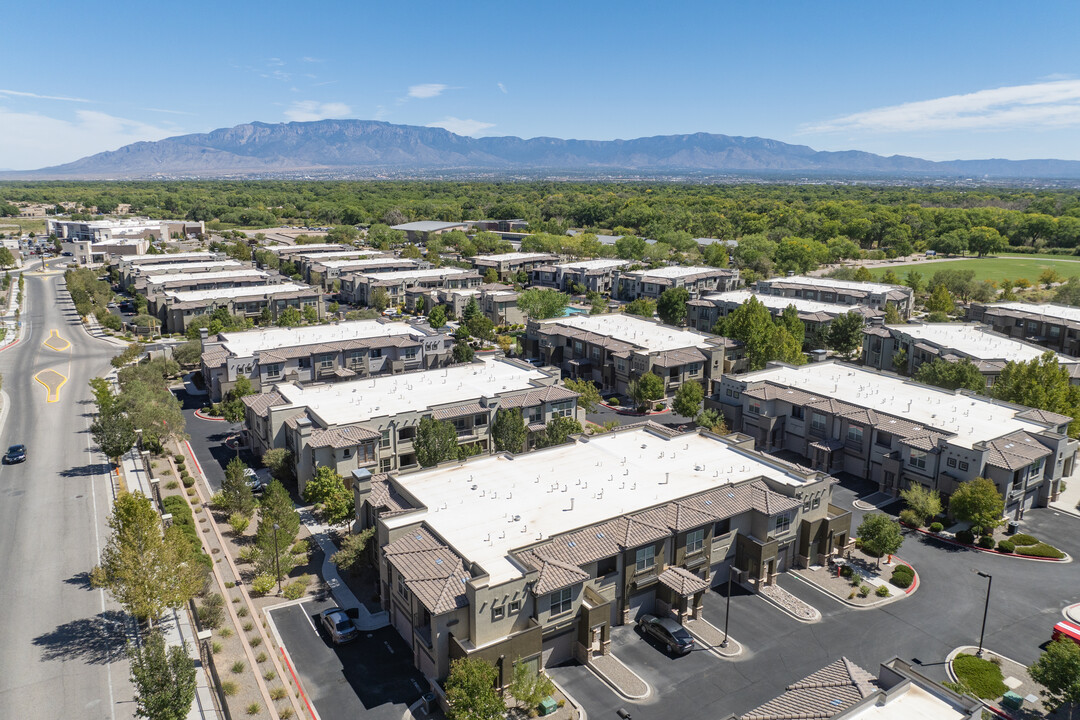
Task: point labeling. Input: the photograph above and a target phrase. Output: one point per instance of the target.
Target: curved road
(63, 643)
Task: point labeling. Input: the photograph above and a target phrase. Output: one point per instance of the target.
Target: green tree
(6, 258)
(1068, 293)
(435, 442)
(889, 277)
(311, 314)
(588, 393)
(951, 375)
(671, 306)
(941, 300)
(914, 280)
(1041, 383)
(977, 502)
(164, 680)
(236, 490)
(281, 463)
(892, 315)
(845, 333)
(646, 389)
(629, 247)
(354, 552)
(558, 431)
(1058, 671)
(688, 399)
(144, 569)
(529, 687)
(470, 690)
(540, 304)
(751, 324)
(189, 354)
(491, 276)
(289, 317)
(862, 274)
(233, 408)
(712, 421)
(114, 432)
(380, 300)
(276, 508)
(463, 352)
(985, 241)
(437, 317)
(880, 535)
(642, 307)
(1049, 277)
(508, 432)
(327, 492)
(922, 501)
(471, 311)
(789, 320)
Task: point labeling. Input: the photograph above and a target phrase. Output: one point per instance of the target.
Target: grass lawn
(995, 268)
(983, 677)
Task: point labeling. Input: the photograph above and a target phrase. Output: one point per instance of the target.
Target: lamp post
(986, 608)
(277, 568)
(727, 612)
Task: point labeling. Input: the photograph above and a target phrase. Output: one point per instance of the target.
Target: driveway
(371, 678)
(207, 438)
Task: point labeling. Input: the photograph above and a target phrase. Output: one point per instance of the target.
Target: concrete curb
(790, 614)
(284, 651)
(211, 418)
(1017, 556)
(1071, 612)
(877, 603)
(716, 649)
(952, 675)
(582, 712)
(615, 686)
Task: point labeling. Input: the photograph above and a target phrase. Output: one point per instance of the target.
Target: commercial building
(360, 288)
(904, 348)
(841, 292)
(896, 432)
(594, 275)
(507, 265)
(1056, 327)
(88, 252)
(532, 558)
(420, 231)
(128, 229)
(320, 353)
(175, 309)
(816, 316)
(634, 284)
(372, 423)
(612, 350)
(240, 277)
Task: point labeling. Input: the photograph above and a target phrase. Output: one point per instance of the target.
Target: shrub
(254, 708)
(1024, 539)
(882, 591)
(658, 407)
(269, 675)
(178, 459)
(247, 626)
(936, 527)
(229, 688)
(301, 547)
(986, 542)
(613, 402)
(255, 641)
(1042, 550)
(238, 667)
(225, 632)
(911, 518)
(902, 577)
(172, 485)
(215, 647)
(278, 693)
(965, 536)
(982, 677)
(1005, 546)
(190, 492)
(864, 590)
(285, 713)
(846, 571)
(262, 584)
(295, 590)
(260, 658)
(212, 612)
(189, 482)
(239, 523)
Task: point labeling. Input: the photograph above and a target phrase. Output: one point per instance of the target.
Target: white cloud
(308, 110)
(168, 112)
(30, 140)
(461, 127)
(17, 93)
(309, 59)
(426, 90)
(502, 88)
(1039, 105)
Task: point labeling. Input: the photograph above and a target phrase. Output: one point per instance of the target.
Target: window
(384, 465)
(561, 601)
(695, 540)
(644, 559)
(951, 462)
(348, 452)
(480, 420)
(402, 590)
(727, 391)
(326, 362)
(606, 566)
(563, 408)
(376, 353)
(384, 439)
(917, 459)
(817, 422)
(806, 504)
(410, 353)
(754, 408)
(273, 370)
(884, 439)
(498, 613)
(722, 527)
(817, 502)
(854, 435)
(406, 434)
(783, 523)
(797, 412)
(963, 465)
(534, 415)
(515, 607)
(1037, 467)
(736, 394)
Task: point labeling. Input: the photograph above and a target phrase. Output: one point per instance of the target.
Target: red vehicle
(1067, 631)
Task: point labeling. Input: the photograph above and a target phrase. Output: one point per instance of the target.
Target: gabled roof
(260, 403)
(823, 694)
(1015, 451)
(341, 437)
(1045, 416)
(551, 393)
(385, 495)
(682, 581)
(554, 574)
(431, 570)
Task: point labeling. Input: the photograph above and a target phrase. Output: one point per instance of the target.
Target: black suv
(667, 632)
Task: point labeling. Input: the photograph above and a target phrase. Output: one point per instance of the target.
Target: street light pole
(277, 568)
(727, 612)
(986, 609)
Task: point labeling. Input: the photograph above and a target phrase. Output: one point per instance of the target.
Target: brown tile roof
(554, 574)
(551, 393)
(298, 351)
(341, 437)
(824, 694)
(1016, 450)
(385, 495)
(214, 358)
(682, 581)
(674, 358)
(457, 411)
(432, 571)
(1044, 416)
(925, 441)
(261, 403)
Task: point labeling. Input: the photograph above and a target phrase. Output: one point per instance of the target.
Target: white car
(257, 479)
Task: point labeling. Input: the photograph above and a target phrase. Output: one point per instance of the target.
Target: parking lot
(371, 677)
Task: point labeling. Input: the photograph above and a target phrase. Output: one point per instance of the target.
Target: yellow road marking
(52, 344)
(53, 381)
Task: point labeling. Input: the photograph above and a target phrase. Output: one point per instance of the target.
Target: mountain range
(349, 148)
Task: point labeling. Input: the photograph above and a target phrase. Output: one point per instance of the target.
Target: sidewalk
(712, 637)
(1069, 499)
(94, 329)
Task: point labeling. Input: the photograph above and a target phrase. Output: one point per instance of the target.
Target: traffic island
(622, 679)
(858, 580)
(1002, 684)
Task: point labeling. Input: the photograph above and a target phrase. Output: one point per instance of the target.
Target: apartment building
(904, 348)
(240, 277)
(359, 288)
(533, 558)
(634, 284)
(895, 432)
(507, 265)
(703, 313)
(288, 252)
(594, 275)
(611, 350)
(841, 292)
(497, 302)
(421, 230)
(304, 262)
(321, 353)
(128, 229)
(175, 309)
(1056, 327)
(326, 272)
(131, 272)
(372, 423)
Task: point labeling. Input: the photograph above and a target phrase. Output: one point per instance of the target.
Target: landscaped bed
(1021, 544)
(979, 676)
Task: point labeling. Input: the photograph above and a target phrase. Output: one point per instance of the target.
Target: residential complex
(239, 277)
(507, 265)
(816, 316)
(904, 348)
(175, 309)
(320, 353)
(594, 275)
(129, 229)
(841, 292)
(360, 288)
(611, 350)
(497, 302)
(533, 558)
(634, 284)
(895, 432)
(325, 272)
(372, 423)
(1056, 327)
(421, 230)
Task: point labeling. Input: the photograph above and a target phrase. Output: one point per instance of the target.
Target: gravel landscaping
(789, 602)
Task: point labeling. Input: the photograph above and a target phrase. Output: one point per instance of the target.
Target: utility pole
(277, 568)
(727, 612)
(986, 609)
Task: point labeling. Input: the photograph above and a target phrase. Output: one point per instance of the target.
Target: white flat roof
(976, 342)
(676, 271)
(489, 506)
(1061, 312)
(312, 248)
(344, 403)
(182, 267)
(337, 255)
(969, 418)
(915, 703)
(514, 256)
(361, 263)
(598, 264)
(652, 336)
(404, 274)
(778, 302)
(226, 293)
(159, 257)
(826, 282)
(249, 342)
(222, 275)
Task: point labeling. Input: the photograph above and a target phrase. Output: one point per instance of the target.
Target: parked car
(673, 636)
(257, 479)
(67, 253)
(15, 454)
(338, 625)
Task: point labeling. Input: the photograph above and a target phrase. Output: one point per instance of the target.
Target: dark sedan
(668, 633)
(15, 454)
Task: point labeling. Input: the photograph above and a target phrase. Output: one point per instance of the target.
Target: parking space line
(388, 648)
(308, 618)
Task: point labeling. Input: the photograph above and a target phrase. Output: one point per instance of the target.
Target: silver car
(338, 625)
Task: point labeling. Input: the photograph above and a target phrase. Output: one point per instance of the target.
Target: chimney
(361, 484)
(203, 334)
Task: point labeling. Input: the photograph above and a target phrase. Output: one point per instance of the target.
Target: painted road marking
(52, 381)
(55, 342)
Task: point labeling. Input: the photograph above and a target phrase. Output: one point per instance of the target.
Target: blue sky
(939, 80)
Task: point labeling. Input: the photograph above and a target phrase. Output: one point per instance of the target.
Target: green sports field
(995, 268)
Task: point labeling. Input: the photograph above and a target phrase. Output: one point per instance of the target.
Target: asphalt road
(62, 642)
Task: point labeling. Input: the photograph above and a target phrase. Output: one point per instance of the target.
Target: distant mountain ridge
(359, 146)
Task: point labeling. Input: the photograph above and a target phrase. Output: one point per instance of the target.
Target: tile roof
(385, 495)
(1045, 416)
(214, 358)
(925, 441)
(341, 437)
(456, 411)
(554, 574)
(673, 358)
(432, 571)
(260, 403)
(551, 393)
(823, 694)
(1015, 451)
(682, 581)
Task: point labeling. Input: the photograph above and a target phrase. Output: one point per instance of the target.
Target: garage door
(1030, 498)
(642, 603)
(402, 625)
(718, 573)
(560, 648)
(855, 466)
